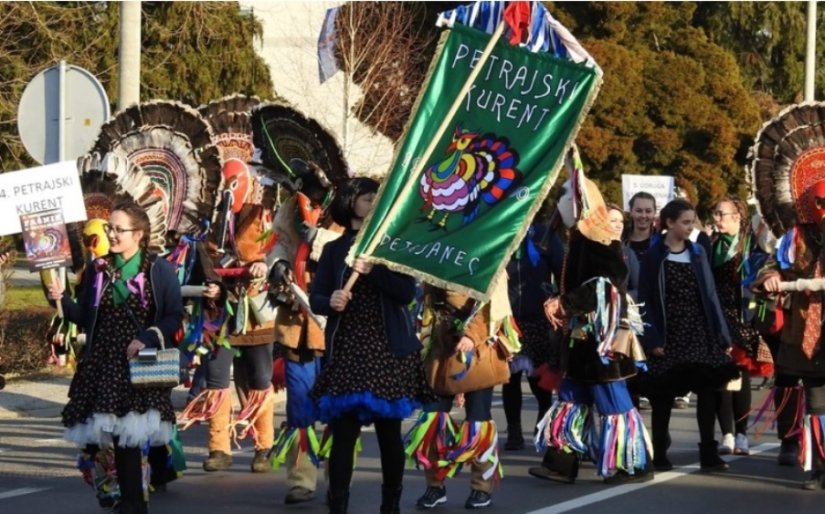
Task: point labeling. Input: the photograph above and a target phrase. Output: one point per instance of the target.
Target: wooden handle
(351, 281)
(55, 280)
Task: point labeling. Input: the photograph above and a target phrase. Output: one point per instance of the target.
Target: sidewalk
(21, 276)
(44, 395)
(41, 396)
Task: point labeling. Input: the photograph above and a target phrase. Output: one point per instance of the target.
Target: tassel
(99, 471)
(306, 441)
(256, 400)
(432, 430)
(764, 411)
(202, 407)
(512, 333)
(567, 426)
(476, 440)
(624, 444)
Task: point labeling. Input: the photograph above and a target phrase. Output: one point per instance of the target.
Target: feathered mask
(787, 167)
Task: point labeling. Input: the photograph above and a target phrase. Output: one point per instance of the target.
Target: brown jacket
(791, 359)
(446, 306)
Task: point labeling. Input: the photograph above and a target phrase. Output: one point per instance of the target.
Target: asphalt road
(37, 475)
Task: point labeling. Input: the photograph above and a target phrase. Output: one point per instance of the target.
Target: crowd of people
(608, 315)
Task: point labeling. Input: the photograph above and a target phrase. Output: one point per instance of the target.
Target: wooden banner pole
(382, 228)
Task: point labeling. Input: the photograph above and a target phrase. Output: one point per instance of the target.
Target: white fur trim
(133, 429)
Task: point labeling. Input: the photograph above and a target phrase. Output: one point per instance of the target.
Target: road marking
(22, 492)
(660, 478)
(51, 440)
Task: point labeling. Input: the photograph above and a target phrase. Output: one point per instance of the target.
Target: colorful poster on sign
(46, 240)
(472, 200)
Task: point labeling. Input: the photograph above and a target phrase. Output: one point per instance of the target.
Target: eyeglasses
(117, 230)
(720, 214)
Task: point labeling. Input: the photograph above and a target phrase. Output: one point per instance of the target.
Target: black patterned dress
(729, 290)
(362, 375)
(102, 401)
(693, 360)
(540, 342)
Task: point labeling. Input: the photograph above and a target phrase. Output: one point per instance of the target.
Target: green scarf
(724, 249)
(128, 269)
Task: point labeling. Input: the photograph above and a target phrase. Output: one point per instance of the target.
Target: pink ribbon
(137, 285)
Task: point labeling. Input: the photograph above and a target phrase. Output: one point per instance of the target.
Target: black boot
(660, 446)
(709, 459)
(338, 502)
(390, 499)
(557, 466)
(788, 452)
(644, 474)
(515, 439)
(132, 507)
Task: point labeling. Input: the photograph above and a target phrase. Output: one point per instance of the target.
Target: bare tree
(384, 47)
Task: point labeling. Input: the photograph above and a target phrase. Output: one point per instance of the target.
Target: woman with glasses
(730, 256)
(128, 301)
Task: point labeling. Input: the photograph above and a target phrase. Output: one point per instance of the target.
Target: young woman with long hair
(128, 301)
(686, 336)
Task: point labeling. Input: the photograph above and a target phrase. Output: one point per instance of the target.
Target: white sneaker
(740, 447)
(726, 446)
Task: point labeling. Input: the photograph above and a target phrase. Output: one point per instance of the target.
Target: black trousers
(512, 398)
(662, 406)
(345, 430)
(734, 407)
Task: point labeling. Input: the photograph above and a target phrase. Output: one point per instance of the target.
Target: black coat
(528, 283)
(165, 293)
(652, 295)
(397, 292)
(586, 260)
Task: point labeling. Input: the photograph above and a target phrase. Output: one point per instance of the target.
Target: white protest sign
(54, 186)
(662, 187)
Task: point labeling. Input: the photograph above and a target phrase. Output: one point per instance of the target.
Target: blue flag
(327, 64)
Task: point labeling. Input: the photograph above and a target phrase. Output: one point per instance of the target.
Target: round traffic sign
(60, 113)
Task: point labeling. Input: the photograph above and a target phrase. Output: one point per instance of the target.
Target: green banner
(456, 221)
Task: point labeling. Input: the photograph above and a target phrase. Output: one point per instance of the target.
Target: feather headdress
(231, 122)
(787, 162)
(171, 144)
(105, 178)
(282, 133)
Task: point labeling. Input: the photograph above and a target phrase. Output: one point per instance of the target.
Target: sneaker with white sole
(432, 497)
(726, 446)
(740, 445)
(478, 500)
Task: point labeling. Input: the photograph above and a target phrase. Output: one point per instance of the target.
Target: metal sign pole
(61, 111)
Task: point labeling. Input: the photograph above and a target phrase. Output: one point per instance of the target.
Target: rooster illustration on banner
(476, 168)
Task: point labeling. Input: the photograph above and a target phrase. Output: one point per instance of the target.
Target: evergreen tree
(672, 103)
(767, 39)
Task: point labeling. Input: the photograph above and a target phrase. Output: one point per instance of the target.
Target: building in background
(290, 49)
